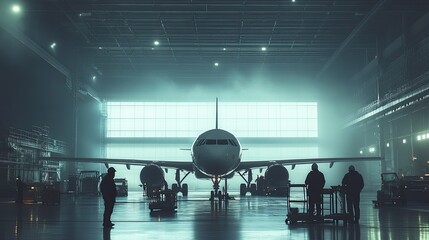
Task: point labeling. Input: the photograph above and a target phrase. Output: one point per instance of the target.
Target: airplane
(216, 155)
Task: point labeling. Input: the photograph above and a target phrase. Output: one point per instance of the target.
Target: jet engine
(152, 179)
(276, 180)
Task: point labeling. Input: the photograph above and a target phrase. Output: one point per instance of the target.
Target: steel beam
(351, 36)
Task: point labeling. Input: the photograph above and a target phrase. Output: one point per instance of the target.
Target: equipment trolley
(297, 204)
(165, 201)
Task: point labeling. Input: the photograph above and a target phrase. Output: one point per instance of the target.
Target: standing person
(315, 182)
(108, 190)
(20, 189)
(353, 185)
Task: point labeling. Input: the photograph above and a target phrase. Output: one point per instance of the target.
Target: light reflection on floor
(243, 218)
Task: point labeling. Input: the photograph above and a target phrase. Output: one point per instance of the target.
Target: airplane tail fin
(216, 113)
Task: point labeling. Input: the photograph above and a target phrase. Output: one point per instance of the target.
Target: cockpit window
(211, 141)
(200, 142)
(216, 142)
(232, 142)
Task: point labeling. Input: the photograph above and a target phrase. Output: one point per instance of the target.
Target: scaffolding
(26, 146)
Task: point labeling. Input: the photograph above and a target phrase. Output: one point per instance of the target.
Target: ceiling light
(263, 48)
(16, 8)
(293, 0)
(216, 64)
(85, 14)
(156, 43)
(224, 49)
(53, 45)
(94, 78)
(100, 48)
(404, 140)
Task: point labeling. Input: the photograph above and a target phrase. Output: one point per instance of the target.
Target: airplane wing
(187, 166)
(255, 164)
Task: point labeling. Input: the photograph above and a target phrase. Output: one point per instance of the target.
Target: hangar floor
(243, 218)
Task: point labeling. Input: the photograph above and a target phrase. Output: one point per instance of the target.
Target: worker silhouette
(353, 185)
(315, 182)
(108, 190)
(20, 186)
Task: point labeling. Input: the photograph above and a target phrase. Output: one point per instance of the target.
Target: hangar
(138, 80)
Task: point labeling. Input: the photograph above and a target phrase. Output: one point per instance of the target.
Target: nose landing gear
(216, 193)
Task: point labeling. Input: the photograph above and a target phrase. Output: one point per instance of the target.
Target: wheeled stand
(297, 205)
(333, 205)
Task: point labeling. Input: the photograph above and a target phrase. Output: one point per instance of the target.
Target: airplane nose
(216, 161)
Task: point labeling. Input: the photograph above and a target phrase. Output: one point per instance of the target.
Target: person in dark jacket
(353, 185)
(20, 186)
(108, 190)
(315, 182)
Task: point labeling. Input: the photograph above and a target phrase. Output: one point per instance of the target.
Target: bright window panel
(189, 119)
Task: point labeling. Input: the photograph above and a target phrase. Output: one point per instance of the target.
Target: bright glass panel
(189, 119)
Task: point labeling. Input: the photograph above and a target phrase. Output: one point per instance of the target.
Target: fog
(246, 86)
(249, 85)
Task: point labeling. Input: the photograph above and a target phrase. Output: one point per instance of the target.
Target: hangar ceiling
(115, 39)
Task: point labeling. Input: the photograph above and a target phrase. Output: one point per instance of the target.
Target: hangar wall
(398, 73)
(35, 94)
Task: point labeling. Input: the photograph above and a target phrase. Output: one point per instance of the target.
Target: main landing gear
(179, 187)
(248, 186)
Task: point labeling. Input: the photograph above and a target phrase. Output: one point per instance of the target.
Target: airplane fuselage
(216, 153)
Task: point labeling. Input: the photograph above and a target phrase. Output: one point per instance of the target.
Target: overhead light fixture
(53, 45)
(404, 140)
(224, 49)
(156, 43)
(263, 48)
(293, 0)
(216, 64)
(85, 14)
(16, 8)
(94, 78)
(100, 48)
(387, 144)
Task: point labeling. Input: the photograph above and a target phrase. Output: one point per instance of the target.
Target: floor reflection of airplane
(216, 155)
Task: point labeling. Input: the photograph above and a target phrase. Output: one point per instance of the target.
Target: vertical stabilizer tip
(216, 113)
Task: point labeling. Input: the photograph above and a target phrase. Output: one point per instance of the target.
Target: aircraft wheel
(185, 189)
(253, 189)
(242, 189)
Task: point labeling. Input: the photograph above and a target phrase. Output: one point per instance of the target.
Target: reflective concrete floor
(243, 218)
